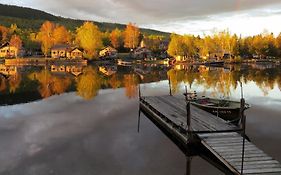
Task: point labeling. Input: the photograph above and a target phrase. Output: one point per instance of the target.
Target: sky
(199, 17)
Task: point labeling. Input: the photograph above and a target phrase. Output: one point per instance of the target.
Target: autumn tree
(46, 37)
(4, 31)
(89, 38)
(176, 46)
(116, 38)
(278, 44)
(61, 35)
(131, 36)
(16, 42)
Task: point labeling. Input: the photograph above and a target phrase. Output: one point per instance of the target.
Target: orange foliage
(16, 41)
(116, 38)
(45, 36)
(3, 33)
(131, 36)
(61, 35)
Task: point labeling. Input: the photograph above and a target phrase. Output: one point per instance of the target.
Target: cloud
(170, 15)
(145, 11)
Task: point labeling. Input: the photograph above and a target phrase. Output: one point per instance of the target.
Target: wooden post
(188, 119)
(139, 92)
(170, 86)
(139, 120)
(186, 93)
(243, 117)
(188, 165)
(243, 123)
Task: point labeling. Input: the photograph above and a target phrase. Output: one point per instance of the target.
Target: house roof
(61, 47)
(4, 44)
(65, 47)
(110, 48)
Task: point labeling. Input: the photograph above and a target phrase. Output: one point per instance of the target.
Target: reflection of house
(108, 52)
(142, 52)
(75, 70)
(8, 51)
(108, 69)
(8, 70)
(181, 58)
(65, 51)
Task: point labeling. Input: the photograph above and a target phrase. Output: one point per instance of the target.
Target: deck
(198, 132)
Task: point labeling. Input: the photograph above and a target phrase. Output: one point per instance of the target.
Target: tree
(89, 38)
(16, 42)
(3, 33)
(61, 35)
(116, 38)
(176, 46)
(131, 36)
(45, 36)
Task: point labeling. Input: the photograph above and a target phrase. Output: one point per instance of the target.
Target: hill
(28, 18)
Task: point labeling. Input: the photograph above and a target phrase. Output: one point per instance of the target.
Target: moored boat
(226, 109)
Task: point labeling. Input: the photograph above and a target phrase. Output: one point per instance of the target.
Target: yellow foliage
(89, 38)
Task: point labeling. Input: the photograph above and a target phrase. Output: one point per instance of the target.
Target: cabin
(8, 51)
(142, 53)
(66, 51)
(75, 53)
(108, 52)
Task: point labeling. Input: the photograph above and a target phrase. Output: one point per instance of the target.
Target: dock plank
(255, 160)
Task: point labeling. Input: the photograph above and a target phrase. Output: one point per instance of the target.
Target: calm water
(66, 119)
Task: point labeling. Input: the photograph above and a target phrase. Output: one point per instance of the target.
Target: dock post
(188, 165)
(243, 117)
(139, 120)
(139, 91)
(139, 108)
(243, 122)
(170, 85)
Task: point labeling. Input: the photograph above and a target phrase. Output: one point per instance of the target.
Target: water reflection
(89, 83)
(223, 80)
(88, 80)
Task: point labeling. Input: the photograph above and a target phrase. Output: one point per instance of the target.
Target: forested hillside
(27, 18)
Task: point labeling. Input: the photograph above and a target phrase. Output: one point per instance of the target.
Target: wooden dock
(197, 132)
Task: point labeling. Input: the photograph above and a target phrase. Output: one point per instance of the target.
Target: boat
(226, 109)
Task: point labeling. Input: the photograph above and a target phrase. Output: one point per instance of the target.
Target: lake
(83, 119)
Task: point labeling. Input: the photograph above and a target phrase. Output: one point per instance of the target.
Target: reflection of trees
(3, 85)
(88, 84)
(175, 79)
(221, 81)
(131, 85)
(50, 84)
(218, 80)
(114, 82)
(14, 82)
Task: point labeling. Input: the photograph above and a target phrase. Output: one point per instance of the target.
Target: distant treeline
(223, 44)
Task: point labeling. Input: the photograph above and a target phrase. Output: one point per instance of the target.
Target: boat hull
(229, 114)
